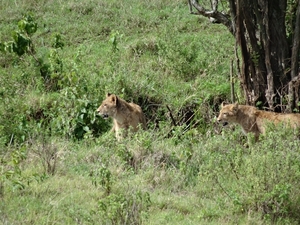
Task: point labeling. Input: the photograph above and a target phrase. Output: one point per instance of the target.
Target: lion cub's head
(228, 113)
(108, 108)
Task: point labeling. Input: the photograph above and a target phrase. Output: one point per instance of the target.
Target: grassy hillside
(59, 163)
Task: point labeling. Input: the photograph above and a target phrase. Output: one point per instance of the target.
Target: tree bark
(295, 48)
(294, 83)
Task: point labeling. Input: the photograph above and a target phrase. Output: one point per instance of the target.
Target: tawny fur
(125, 115)
(256, 121)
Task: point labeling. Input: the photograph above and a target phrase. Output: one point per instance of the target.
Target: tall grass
(152, 180)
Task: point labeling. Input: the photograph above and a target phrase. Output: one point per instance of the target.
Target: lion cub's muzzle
(104, 116)
(224, 123)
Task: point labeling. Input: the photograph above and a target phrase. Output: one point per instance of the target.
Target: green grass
(59, 164)
(211, 181)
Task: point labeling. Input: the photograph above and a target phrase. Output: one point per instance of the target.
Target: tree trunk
(261, 36)
(270, 59)
(294, 83)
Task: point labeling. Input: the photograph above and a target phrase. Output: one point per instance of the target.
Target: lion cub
(125, 115)
(253, 120)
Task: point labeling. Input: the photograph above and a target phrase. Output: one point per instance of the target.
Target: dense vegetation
(59, 163)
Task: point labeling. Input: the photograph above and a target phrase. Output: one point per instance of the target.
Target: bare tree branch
(232, 6)
(214, 5)
(219, 17)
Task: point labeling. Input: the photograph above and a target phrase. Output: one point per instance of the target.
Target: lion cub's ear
(235, 106)
(223, 104)
(114, 99)
(108, 94)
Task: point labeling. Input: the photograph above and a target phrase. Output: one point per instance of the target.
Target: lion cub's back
(136, 107)
(139, 115)
(292, 119)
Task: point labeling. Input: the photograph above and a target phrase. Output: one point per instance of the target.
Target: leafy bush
(130, 208)
(103, 177)
(10, 168)
(66, 112)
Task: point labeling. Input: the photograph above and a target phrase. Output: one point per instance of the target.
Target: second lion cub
(125, 115)
(253, 120)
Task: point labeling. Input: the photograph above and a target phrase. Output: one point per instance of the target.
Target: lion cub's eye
(225, 114)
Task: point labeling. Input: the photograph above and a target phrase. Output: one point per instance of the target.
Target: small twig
(232, 83)
(171, 115)
(223, 188)
(11, 139)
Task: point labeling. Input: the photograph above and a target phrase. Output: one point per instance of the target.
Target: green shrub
(129, 208)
